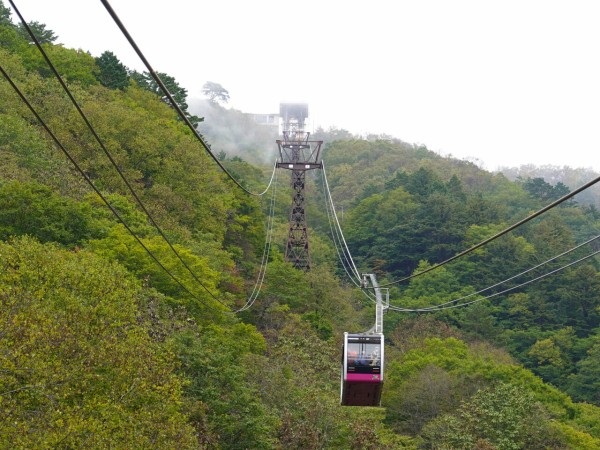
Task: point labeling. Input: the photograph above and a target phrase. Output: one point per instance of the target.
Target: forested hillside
(116, 323)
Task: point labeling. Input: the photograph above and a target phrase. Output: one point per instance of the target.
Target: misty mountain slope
(571, 177)
(236, 133)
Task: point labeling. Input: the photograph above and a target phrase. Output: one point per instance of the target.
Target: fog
(501, 83)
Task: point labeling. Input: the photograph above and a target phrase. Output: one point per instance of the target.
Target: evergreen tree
(39, 30)
(113, 74)
(146, 81)
(178, 93)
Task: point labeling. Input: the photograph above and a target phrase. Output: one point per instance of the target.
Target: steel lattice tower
(299, 155)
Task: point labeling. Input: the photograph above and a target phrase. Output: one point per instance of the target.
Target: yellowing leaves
(78, 370)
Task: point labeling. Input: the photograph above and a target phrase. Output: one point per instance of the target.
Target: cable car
(362, 369)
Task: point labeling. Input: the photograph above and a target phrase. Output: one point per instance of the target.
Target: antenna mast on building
(299, 155)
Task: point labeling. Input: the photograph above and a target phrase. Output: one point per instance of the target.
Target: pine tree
(113, 74)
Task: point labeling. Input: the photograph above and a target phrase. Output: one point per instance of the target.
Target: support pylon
(299, 155)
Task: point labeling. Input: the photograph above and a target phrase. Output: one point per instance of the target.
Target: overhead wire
(499, 234)
(433, 307)
(98, 192)
(449, 306)
(108, 154)
(199, 137)
(337, 244)
(473, 248)
(258, 283)
(266, 251)
(269, 228)
(454, 303)
(336, 230)
(175, 105)
(436, 307)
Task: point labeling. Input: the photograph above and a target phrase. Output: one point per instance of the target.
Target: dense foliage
(101, 347)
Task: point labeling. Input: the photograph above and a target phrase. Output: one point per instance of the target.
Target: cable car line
(440, 307)
(340, 242)
(517, 275)
(455, 301)
(339, 250)
(260, 278)
(337, 222)
(180, 112)
(336, 232)
(434, 308)
(262, 270)
(97, 191)
(265, 257)
(258, 283)
(501, 233)
(110, 157)
(354, 381)
(337, 243)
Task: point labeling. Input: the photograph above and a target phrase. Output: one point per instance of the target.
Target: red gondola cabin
(362, 369)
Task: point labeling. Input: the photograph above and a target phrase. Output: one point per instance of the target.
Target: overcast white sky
(502, 83)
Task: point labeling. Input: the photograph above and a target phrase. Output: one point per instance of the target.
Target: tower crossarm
(299, 154)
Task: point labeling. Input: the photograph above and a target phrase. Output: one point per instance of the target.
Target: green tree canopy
(113, 74)
(584, 385)
(179, 93)
(35, 210)
(78, 369)
(39, 30)
(502, 417)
